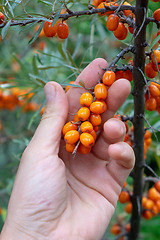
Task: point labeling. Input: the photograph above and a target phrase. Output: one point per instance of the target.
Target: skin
(56, 196)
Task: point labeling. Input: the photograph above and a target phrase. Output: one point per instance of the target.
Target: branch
(69, 14)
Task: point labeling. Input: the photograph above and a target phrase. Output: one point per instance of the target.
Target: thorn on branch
(151, 170)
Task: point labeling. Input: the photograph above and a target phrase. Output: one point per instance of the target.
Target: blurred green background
(30, 65)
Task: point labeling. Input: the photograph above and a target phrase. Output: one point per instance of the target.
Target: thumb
(48, 133)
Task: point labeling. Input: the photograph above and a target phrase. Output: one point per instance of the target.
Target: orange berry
(150, 71)
(158, 204)
(72, 137)
(156, 14)
(111, 4)
(96, 128)
(147, 134)
(112, 22)
(157, 186)
(148, 141)
(153, 194)
(155, 67)
(156, 56)
(125, 184)
(2, 17)
(82, 149)
(154, 91)
(156, 84)
(83, 113)
(93, 133)
(115, 229)
(127, 12)
(128, 227)
(68, 127)
(128, 207)
(95, 119)
(86, 127)
(124, 197)
(128, 75)
(62, 30)
(76, 118)
(97, 2)
(86, 99)
(151, 104)
(100, 91)
(97, 107)
(144, 200)
(103, 4)
(121, 32)
(68, 87)
(70, 147)
(49, 31)
(87, 139)
(131, 30)
(108, 78)
(149, 204)
(119, 75)
(147, 214)
(155, 210)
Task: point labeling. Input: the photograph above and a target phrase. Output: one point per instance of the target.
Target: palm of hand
(66, 197)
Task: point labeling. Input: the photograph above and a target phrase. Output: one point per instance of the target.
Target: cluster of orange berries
(114, 22)
(80, 134)
(60, 28)
(118, 228)
(12, 98)
(152, 97)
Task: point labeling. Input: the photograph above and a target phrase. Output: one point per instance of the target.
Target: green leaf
(5, 29)
(72, 61)
(23, 68)
(61, 51)
(10, 8)
(155, 41)
(57, 15)
(35, 36)
(78, 44)
(34, 64)
(45, 2)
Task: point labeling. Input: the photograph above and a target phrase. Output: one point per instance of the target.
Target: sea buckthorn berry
(50, 31)
(121, 32)
(158, 205)
(147, 214)
(104, 104)
(95, 119)
(127, 12)
(156, 14)
(125, 184)
(86, 99)
(144, 200)
(119, 75)
(76, 118)
(87, 139)
(148, 141)
(111, 4)
(153, 194)
(72, 137)
(131, 30)
(70, 147)
(149, 204)
(156, 56)
(128, 208)
(83, 150)
(68, 86)
(83, 113)
(150, 71)
(68, 127)
(156, 84)
(93, 133)
(124, 197)
(156, 67)
(96, 128)
(128, 227)
(115, 229)
(97, 107)
(112, 22)
(97, 2)
(100, 91)
(86, 127)
(154, 91)
(108, 78)
(128, 75)
(2, 17)
(147, 134)
(157, 186)
(62, 30)
(101, 5)
(151, 104)
(155, 210)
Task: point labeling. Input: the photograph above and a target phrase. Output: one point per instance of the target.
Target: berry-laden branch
(138, 121)
(69, 14)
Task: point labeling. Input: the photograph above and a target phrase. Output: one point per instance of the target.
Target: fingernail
(50, 92)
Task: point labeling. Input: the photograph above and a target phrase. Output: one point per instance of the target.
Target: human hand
(56, 196)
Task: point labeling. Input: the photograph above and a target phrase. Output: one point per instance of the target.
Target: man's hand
(56, 196)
